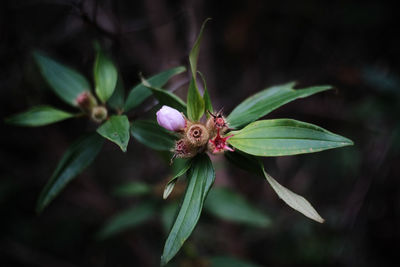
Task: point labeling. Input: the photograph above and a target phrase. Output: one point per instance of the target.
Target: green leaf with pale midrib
(264, 102)
(105, 76)
(65, 82)
(116, 129)
(201, 176)
(140, 93)
(285, 137)
(152, 135)
(79, 156)
(39, 116)
(229, 205)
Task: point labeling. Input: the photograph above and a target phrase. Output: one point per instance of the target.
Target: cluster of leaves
(68, 84)
(251, 138)
(279, 137)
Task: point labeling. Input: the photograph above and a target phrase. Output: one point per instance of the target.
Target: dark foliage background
(248, 46)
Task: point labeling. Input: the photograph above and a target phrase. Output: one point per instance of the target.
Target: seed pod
(183, 149)
(215, 122)
(197, 135)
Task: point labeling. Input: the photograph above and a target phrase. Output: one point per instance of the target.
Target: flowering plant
(191, 130)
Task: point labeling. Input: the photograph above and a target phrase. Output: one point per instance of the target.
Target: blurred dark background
(248, 46)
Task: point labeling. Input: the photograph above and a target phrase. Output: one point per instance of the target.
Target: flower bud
(171, 119)
(197, 135)
(99, 114)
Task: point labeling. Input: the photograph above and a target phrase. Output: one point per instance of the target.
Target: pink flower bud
(170, 119)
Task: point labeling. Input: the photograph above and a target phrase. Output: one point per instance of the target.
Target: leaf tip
(163, 261)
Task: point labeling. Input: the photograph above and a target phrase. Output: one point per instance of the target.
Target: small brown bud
(99, 114)
(197, 135)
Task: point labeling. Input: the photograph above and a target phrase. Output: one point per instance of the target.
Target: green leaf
(166, 98)
(195, 103)
(127, 219)
(132, 189)
(168, 213)
(227, 261)
(229, 205)
(39, 116)
(116, 101)
(206, 97)
(65, 82)
(294, 200)
(283, 137)
(194, 53)
(178, 173)
(268, 100)
(105, 76)
(116, 129)
(140, 93)
(78, 157)
(201, 176)
(152, 135)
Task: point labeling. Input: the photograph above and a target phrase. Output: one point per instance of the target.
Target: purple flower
(170, 119)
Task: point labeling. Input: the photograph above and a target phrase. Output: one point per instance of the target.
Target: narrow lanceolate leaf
(231, 206)
(168, 212)
(140, 93)
(283, 137)
(152, 135)
(194, 53)
(206, 96)
(268, 100)
(116, 129)
(65, 82)
(178, 173)
(200, 176)
(166, 98)
(79, 156)
(294, 200)
(39, 116)
(105, 76)
(195, 103)
(127, 219)
(116, 101)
